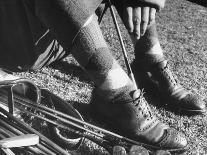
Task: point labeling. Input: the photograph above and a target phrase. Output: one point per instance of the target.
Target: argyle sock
(93, 54)
(147, 48)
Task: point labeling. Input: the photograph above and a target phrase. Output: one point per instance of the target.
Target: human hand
(136, 19)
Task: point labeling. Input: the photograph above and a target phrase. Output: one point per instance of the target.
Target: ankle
(116, 95)
(148, 61)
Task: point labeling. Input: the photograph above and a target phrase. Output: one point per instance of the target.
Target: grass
(182, 28)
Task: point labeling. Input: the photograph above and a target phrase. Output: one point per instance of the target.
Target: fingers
(144, 20)
(137, 21)
(152, 15)
(128, 14)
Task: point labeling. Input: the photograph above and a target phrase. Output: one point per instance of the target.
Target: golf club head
(119, 150)
(20, 141)
(138, 150)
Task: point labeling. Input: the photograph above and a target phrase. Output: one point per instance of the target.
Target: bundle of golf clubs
(12, 125)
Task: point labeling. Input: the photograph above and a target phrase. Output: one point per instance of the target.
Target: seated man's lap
(63, 21)
(64, 28)
(42, 32)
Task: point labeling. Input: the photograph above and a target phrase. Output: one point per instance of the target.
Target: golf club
(126, 60)
(7, 151)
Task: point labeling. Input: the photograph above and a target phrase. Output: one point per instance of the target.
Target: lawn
(182, 28)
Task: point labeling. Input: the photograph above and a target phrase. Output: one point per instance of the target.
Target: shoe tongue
(122, 95)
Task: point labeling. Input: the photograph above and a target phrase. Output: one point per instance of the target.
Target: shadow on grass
(83, 109)
(74, 71)
(71, 69)
(199, 2)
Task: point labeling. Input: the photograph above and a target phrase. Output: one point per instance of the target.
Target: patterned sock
(93, 54)
(147, 49)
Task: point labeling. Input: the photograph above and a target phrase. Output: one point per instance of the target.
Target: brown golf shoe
(164, 82)
(134, 119)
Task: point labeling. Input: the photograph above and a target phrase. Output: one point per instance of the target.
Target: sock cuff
(146, 61)
(121, 95)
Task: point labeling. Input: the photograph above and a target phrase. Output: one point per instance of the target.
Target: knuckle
(129, 27)
(151, 20)
(144, 20)
(136, 20)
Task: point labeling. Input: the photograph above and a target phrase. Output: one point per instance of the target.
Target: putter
(129, 69)
(19, 141)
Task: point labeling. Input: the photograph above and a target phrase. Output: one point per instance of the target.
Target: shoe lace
(143, 106)
(169, 75)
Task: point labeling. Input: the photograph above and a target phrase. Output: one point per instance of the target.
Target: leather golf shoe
(134, 119)
(160, 76)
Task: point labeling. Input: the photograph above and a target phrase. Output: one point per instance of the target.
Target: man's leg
(150, 64)
(149, 59)
(117, 100)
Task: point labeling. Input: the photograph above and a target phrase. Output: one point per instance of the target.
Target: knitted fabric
(92, 52)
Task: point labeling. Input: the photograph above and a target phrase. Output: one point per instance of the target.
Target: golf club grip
(18, 141)
(8, 125)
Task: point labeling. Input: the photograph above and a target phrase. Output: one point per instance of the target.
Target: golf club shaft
(62, 122)
(51, 145)
(74, 122)
(7, 151)
(71, 121)
(131, 75)
(14, 128)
